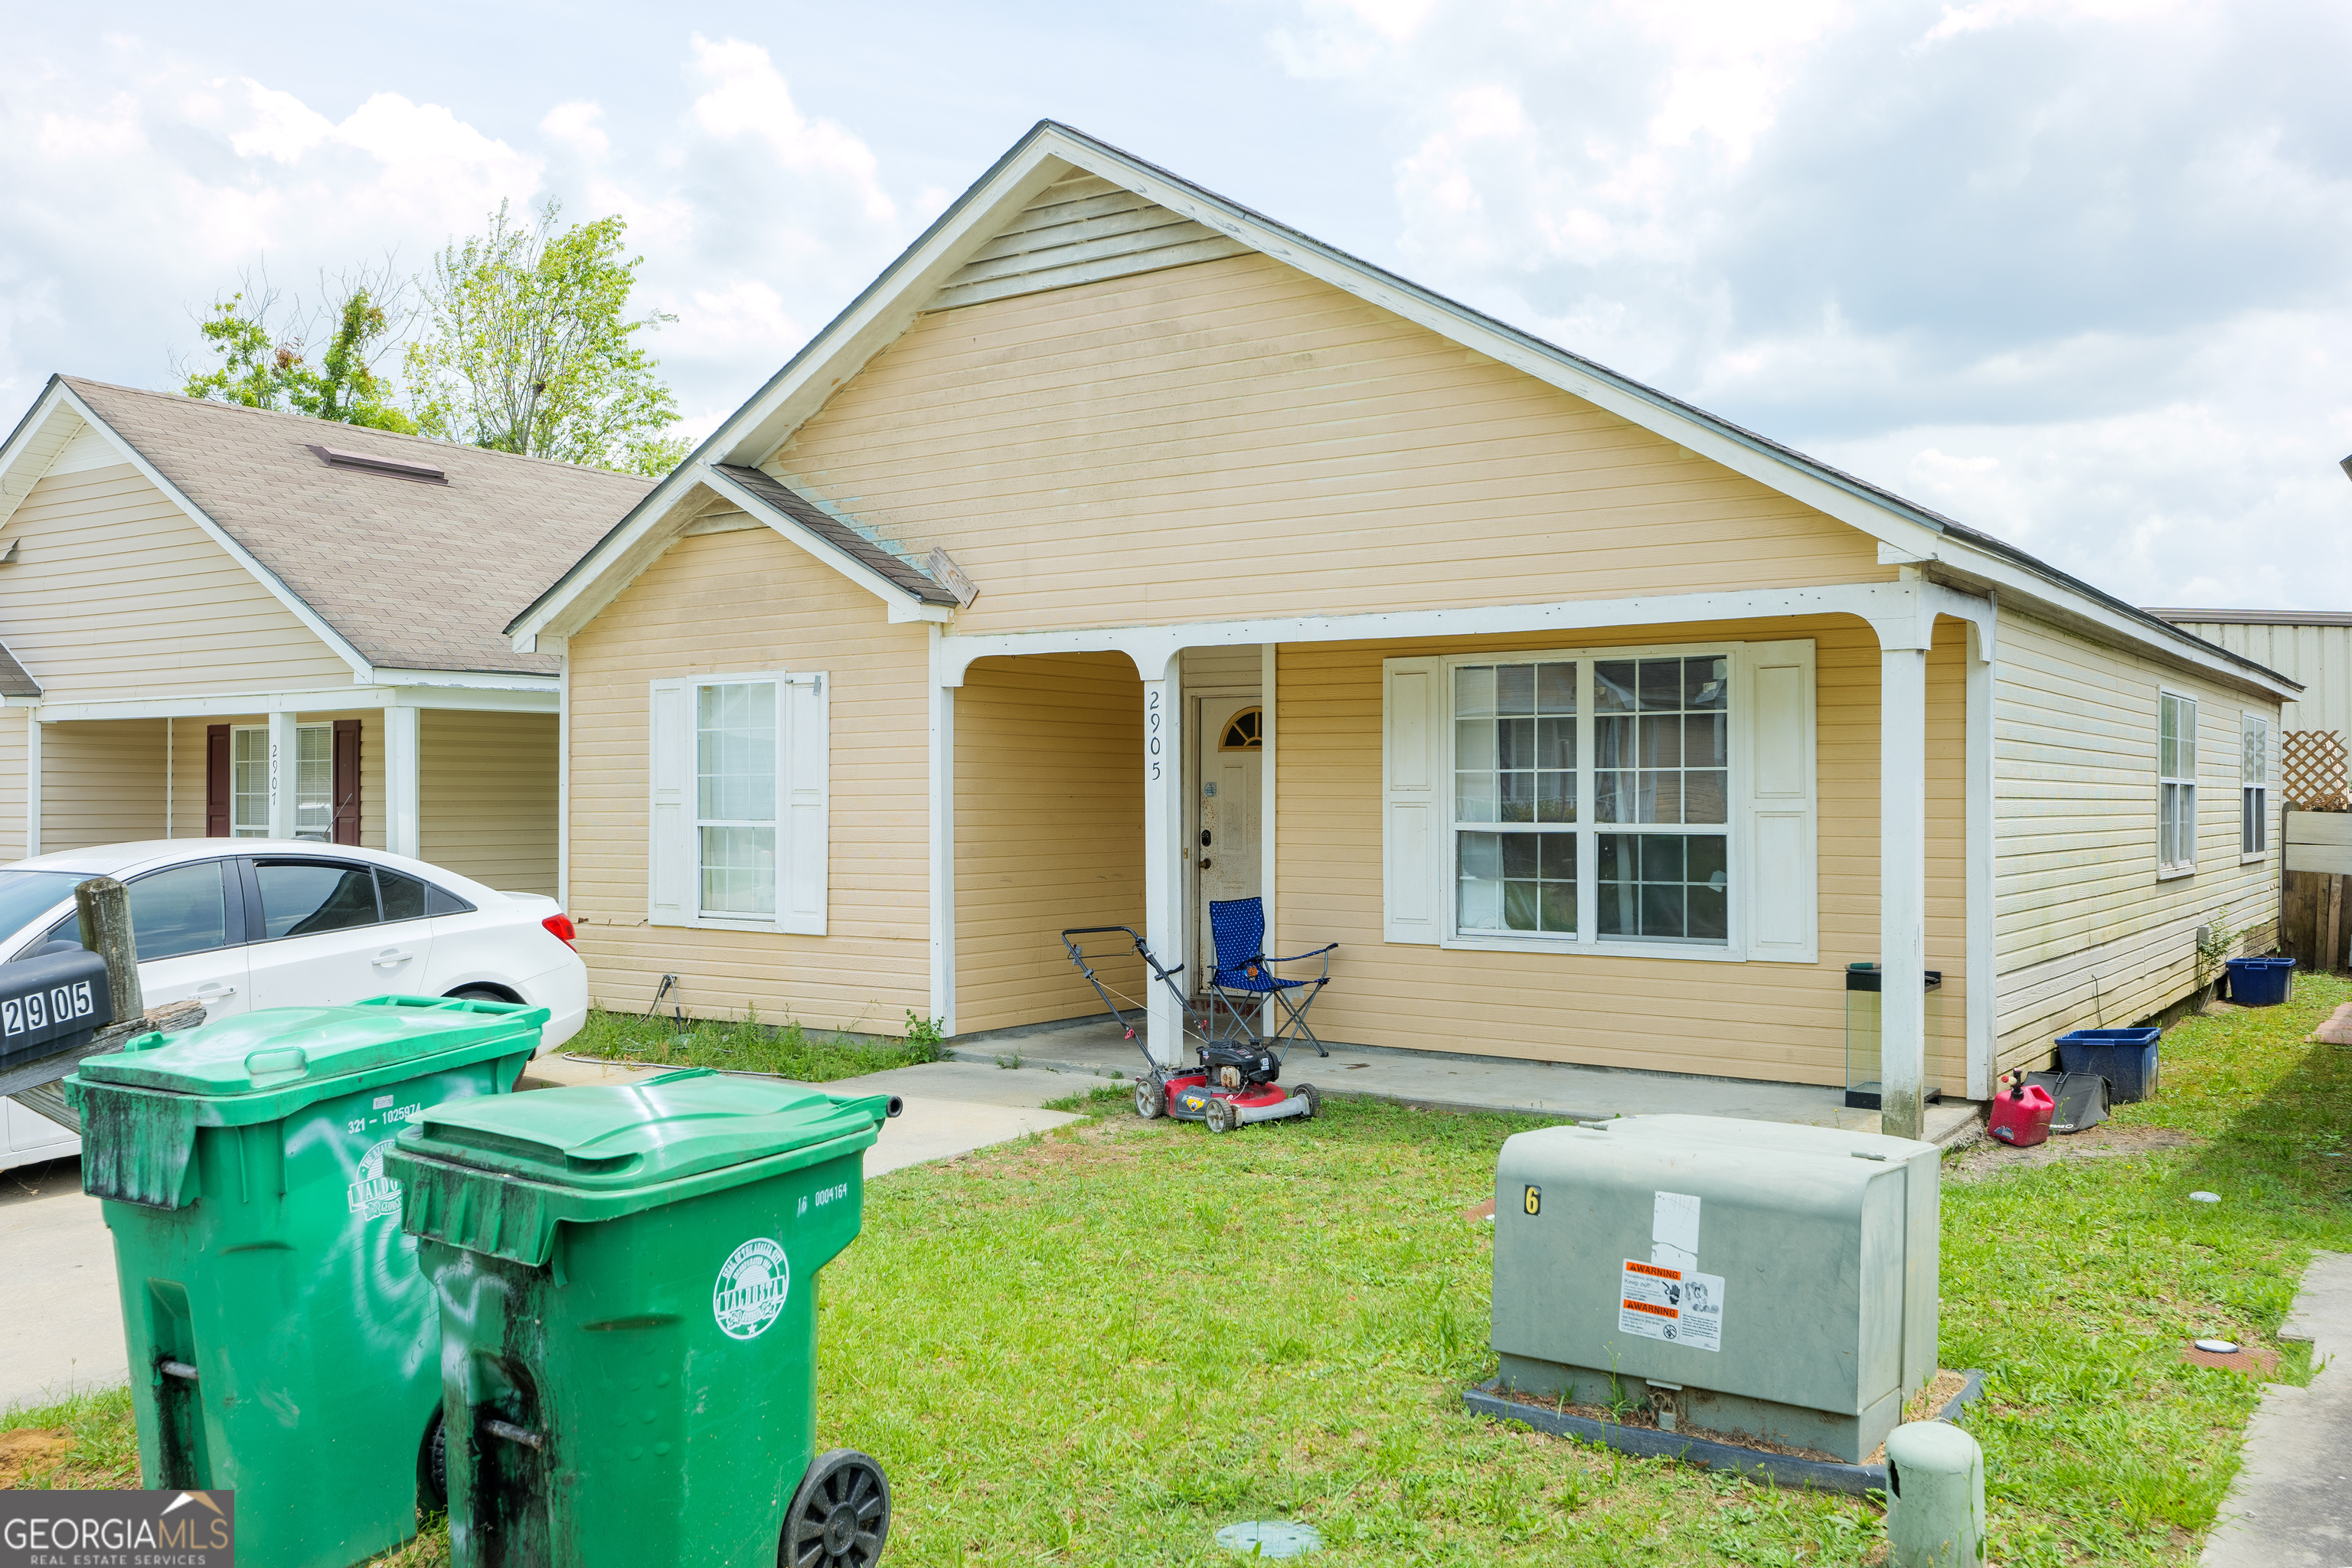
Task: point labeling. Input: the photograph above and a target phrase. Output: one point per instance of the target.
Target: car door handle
(213, 991)
(390, 956)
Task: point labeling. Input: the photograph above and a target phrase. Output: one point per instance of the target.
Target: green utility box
(282, 1341)
(628, 1306)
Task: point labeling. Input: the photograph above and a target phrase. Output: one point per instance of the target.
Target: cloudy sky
(2075, 271)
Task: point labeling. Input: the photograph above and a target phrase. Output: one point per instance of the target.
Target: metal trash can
(628, 1307)
(282, 1341)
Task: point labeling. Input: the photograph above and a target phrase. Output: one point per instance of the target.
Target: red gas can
(2022, 1114)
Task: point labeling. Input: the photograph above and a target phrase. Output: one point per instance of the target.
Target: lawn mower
(1233, 1081)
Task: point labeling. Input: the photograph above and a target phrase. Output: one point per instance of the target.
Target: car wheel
(478, 993)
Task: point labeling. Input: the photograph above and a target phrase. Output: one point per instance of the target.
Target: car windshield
(26, 896)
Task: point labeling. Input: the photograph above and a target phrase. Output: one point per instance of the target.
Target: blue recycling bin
(2260, 982)
(2125, 1057)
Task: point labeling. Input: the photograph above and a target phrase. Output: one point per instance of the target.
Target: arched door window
(1244, 732)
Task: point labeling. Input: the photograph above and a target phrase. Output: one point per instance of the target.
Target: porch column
(942, 836)
(1984, 1020)
(32, 782)
(1165, 853)
(1902, 875)
(402, 813)
(284, 743)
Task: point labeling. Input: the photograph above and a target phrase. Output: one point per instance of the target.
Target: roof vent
(423, 473)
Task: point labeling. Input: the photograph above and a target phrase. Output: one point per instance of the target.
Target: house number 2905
(1152, 716)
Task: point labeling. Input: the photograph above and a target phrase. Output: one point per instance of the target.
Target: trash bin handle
(291, 1059)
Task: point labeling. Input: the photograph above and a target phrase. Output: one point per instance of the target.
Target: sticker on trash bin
(1673, 1304)
(373, 1195)
(752, 1289)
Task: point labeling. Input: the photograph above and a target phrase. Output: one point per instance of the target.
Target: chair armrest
(1293, 958)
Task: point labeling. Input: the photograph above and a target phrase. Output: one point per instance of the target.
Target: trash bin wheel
(1221, 1116)
(433, 1465)
(1150, 1097)
(1312, 1096)
(841, 1515)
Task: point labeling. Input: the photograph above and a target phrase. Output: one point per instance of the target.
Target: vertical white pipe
(1166, 856)
(171, 732)
(1901, 887)
(402, 813)
(943, 839)
(284, 743)
(564, 779)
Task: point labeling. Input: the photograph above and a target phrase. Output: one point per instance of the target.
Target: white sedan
(239, 923)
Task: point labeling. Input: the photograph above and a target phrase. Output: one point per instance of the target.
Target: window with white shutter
(1645, 800)
(739, 802)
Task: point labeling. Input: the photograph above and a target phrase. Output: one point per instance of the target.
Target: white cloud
(574, 125)
(748, 97)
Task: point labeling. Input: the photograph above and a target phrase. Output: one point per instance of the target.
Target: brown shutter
(216, 786)
(347, 781)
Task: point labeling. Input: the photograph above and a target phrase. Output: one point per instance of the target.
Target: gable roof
(949, 266)
(393, 574)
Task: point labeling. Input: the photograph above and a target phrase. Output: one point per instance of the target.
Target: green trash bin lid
(280, 1047)
(496, 1174)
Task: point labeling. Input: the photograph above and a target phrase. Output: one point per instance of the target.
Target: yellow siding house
(227, 622)
(1121, 550)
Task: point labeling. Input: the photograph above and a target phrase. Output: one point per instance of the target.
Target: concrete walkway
(1479, 1083)
(2291, 1505)
(62, 1325)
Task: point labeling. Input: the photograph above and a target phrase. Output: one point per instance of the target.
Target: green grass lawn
(747, 1046)
(1101, 1345)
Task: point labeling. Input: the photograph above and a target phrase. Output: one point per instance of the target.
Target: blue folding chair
(1243, 979)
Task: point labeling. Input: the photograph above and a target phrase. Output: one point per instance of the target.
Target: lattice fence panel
(2312, 770)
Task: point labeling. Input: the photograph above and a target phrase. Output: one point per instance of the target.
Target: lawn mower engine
(1234, 1086)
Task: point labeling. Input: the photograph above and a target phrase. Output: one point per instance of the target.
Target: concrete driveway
(61, 1323)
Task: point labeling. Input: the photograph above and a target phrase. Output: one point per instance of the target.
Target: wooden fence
(2317, 852)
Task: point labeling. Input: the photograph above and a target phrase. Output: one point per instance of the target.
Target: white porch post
(32, 782)
(1165, 853)
(403, 812)
(1902, 871)
(942, 846)
(1983, 1026)
(283, 754)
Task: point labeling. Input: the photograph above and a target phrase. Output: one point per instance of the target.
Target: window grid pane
(314, 781)
(1517, 882)
(735, 796)
(1662, 887)
(1661, 740)
(249, 787)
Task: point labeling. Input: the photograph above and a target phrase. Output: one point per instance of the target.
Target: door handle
(390, 956)
(1205, 862)
(214, 990)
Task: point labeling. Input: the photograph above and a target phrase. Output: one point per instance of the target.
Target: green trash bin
(628, 1322)
(282, 1341)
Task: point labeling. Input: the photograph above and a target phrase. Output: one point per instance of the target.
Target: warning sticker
(1660, 1303)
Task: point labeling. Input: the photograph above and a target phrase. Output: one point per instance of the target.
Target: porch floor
(1475, 1083)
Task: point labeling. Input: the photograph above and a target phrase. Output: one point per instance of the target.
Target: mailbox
(51, 1004)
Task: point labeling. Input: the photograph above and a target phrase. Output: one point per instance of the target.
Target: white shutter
(670, 858)
(1780, 867)
(1413, 800)
(802, 774)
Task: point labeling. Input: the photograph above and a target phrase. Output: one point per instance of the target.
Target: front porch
(1572, 976)
(466, 777)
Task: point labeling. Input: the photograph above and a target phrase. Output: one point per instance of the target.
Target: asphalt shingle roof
(842, 537)
(414, 575)
(14, 680)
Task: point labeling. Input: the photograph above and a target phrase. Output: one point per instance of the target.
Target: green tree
(528, 348)
(264, 365)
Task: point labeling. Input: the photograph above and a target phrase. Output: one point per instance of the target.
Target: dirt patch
(2254, 1360)
(2105, 1141)
(30, 1449)
(1484, 1211)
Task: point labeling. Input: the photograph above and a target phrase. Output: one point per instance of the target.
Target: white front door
(1225, 843)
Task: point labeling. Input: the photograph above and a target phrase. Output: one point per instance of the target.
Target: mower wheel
(1221, 1118)
(1150, 1097)
(1312, 1096)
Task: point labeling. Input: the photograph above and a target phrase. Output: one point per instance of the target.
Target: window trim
(1587, 939)
(695, 822)
(796, 799)
(2173, 871)
(2248, 720)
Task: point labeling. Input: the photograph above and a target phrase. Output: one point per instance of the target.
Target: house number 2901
(1152, 716)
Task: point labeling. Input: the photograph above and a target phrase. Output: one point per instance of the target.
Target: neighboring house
(2315, 646)
(221, 622)
(1592, 728)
